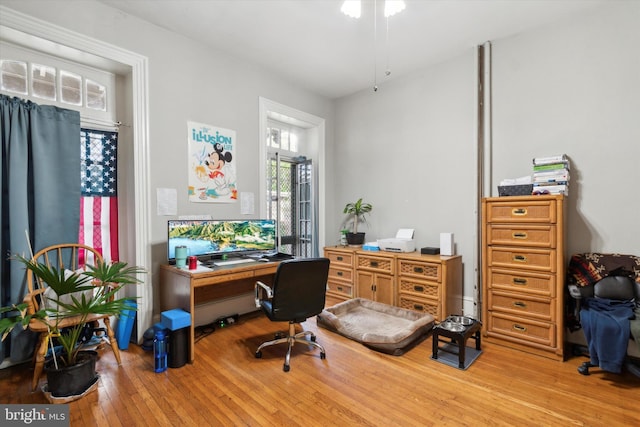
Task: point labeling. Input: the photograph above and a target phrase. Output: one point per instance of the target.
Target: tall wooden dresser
(523, 272)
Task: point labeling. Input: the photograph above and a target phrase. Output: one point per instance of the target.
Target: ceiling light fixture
(391, 7)
(353, 9)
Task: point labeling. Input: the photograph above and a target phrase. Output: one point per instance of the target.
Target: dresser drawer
(538, 308)
(419, 288)
(421, 269)
(373, 263)
(519, 329)
(421, 305)
(340, 258)
(340, 273)
(340, 288)
(530, 211)
(543, 236)
(522, 281)
(532, 259)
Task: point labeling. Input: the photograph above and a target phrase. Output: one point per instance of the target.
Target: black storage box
(515, 190)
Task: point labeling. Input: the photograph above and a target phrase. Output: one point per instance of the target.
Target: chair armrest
(31, 299)
(261, 286)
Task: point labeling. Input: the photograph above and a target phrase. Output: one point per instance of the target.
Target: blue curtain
(40, 171)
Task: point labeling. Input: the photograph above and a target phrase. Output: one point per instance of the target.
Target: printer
(403, 242)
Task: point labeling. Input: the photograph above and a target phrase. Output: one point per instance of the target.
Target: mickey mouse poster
(212, 171)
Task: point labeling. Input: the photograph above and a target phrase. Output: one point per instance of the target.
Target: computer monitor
(211, 239)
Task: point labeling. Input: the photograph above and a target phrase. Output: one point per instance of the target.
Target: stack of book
(551, 175)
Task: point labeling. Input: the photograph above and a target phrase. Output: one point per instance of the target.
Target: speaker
(446, 244)
(430, 251)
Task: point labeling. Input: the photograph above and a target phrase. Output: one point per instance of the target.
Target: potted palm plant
(70, 299)
(356, 212)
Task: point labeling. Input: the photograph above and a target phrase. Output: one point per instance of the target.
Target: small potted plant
(75, 297)
(356, 212)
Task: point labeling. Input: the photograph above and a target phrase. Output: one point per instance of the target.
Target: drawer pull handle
(517, 281)
(418, 307)
(520, 258)
(340, 288)
(418, 288)
(519, 328)
(418, 270)
(339, 258)
(339, 273)
(519, 211)
(519, 235)
(520, 304)
(374, 263)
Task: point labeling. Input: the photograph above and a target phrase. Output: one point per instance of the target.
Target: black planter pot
(72, 380)
(355, 238)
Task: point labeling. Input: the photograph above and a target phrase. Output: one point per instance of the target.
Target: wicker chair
(69, 256)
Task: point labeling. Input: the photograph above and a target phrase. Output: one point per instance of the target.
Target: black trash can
(178, 348)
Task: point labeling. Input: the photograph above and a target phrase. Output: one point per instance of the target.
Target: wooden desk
(181, 288)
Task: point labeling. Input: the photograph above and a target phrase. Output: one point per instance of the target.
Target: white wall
(571, 87)
(187, 81)
(409, 149)
(574, 88)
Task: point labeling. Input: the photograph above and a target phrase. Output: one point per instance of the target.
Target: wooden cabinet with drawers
(427, 283)
(430, 284)
(375, 276)
(341, 277)
(523, 273)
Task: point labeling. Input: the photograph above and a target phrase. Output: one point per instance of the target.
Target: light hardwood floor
(227, 385)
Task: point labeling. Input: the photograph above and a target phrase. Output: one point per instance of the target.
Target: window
(13, 76)
(283, 136)
(45, 79)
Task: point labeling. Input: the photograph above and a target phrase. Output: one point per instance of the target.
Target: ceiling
(311, 43)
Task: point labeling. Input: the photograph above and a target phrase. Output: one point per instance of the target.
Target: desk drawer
(530, 211)
(419, 288)
(340, 258)
(534, 236)
(340, 288)
(380, 264)
(421, 305)
(421, 269)
(532, 259)
(340, 274)
(539, 308)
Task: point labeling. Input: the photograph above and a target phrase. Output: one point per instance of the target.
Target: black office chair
(298, 293)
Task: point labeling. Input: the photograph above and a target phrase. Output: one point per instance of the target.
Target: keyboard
(279, 256)
(223, 263)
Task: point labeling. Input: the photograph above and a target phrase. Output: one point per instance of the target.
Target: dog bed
(379, 326)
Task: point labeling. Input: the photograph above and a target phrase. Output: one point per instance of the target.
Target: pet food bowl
(465, 321)
(452, 326)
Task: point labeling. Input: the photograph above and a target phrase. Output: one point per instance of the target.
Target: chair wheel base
(323, 356)
(584, 368)
(258, 355)
(286, 368)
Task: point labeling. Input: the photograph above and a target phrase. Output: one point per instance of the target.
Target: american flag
(99, 191)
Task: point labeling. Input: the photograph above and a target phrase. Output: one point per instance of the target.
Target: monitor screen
(214, 238)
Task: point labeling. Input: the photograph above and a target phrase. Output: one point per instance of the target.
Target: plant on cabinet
(356, 212)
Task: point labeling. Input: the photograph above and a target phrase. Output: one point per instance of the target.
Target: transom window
(45, 79)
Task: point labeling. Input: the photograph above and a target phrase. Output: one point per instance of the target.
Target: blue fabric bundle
(606, 327)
